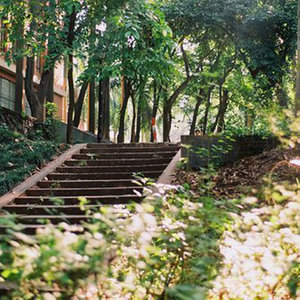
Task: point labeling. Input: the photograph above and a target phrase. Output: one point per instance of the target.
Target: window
(7, 94)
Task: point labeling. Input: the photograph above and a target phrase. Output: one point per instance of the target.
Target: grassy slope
(20, 156)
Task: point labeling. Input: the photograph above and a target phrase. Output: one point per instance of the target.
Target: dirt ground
(247, 174)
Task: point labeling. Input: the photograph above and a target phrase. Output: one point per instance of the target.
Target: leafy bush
(19, 156)
(131, 252)
(261, 254)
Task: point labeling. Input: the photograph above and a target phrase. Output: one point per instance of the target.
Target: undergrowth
(20, 156)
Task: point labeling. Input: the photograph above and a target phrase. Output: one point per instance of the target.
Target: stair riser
(83, 192)
(45, 211)
(117, 162)
(142, 145)
(128, 150)
(74, 201)
(130, 155)
(59, 219)
(41, 211)
(87, 184)
(111, 169)
(99, 176)
(29, 231)
(123, 156)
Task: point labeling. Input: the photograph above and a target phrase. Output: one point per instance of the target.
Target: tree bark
(106, 108)
(19, 85)
(156, 98)
(121, 134)
(132, 140)
(205, 120)
(70, 40)
(140, 109)
(297, 94)
(92, 110)
(71, 101)
(36, 100)
(222, 111)
(79, 104)
(50, 86)
(196, 111)
(213, 128)
(100, 113)
(138, 122)
(167, 120)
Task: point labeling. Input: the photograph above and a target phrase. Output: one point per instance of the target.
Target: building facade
(7, 86)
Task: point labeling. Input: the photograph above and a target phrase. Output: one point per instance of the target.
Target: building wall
(60, 86)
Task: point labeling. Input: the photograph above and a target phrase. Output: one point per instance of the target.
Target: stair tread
(90, 188)
(101, 173)
(48, 206)
(74, 197)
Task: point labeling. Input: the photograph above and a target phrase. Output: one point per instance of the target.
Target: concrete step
(123, 155)
(112, 169)
(85, 183)
(117, 162)
(101, 176)
(54, 219)
(70, 200)
(26, 229)
(50, 209)
(129, 150)
(133, 145)
(60, 192)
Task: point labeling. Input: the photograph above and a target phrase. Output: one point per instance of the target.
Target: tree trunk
(121, 134)
(70, 40)
(156, 97)
(297, 95)
(205, 120)
(19, 70)
(106, 108)
(19, 85)
(50, 87)
(92, 110)
(79, 104)
(138, 122)
(196, 112)
(133, 118)
(167, 121)
(36, 100)
(71, 101)
(222, 111)
(140, 109)
(100, 113)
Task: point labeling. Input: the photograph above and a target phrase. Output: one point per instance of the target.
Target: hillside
(21, 155)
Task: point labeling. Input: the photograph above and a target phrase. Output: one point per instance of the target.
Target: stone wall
(79, 136)
(199, 151)
(15, 121)
(23, 124)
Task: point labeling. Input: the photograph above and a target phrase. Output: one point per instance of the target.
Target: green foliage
(136, 251)
(261, 252)
(19, 156)
(52, 122)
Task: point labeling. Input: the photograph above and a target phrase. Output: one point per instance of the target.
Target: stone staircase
(102, 173)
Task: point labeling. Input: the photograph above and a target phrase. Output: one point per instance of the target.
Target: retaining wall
(15, 121)
(199, 151)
